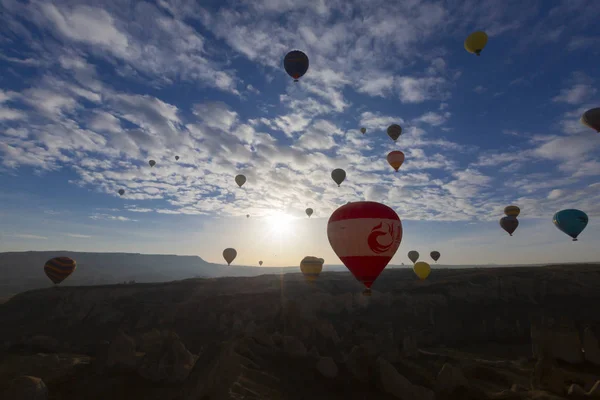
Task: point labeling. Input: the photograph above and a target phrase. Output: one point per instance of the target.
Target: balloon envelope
(176, 158)
(435, 255)
(509, 224)
(365, 236)
(363, 130)
(338, 175)
(260, 263)
(240, 180)
(295, 64)
(422, 269)
(591, 118)
(571, 221)
(413, 256)
(475, 42)
(512, 211)
(152, 163)
(311, 267)
(59, 268)
(395, 159)
(394, 131)
(121, 192)
(229, 255)
(309, 212)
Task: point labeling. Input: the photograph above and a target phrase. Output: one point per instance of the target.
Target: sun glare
(280, 224)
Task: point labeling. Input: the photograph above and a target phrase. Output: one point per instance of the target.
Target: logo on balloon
(382, 229)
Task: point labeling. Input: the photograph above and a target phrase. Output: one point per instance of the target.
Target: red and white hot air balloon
(365, 236)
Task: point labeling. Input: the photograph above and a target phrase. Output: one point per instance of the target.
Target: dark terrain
(494, 333)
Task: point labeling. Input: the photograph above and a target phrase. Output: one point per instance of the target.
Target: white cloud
(433, 118)
(555, 194)
(78, 236)
(575, 94)
(418, 90)
(28, 236)
(479, 89)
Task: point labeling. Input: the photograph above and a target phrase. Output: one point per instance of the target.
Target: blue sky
(88, 94)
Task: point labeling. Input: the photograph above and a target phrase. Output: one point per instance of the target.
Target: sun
(280, 224)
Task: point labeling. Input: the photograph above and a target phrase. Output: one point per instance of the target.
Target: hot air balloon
(338, 175)
(152, 163)
(309, 212)
(512, 211)
(413, 255)
(365, 236)
(59, 268)
(247, 215)
(394, 131)
(229, 255)
(295, 64)
(176, 158)
(260, 263)
(240, 180)
(121, 192)
(475, 42)
(363, 130)
(395, 159)
(435, 255)
(509, 224)
(422, 269)
(571, 221)
(591, 118)
(311, 267)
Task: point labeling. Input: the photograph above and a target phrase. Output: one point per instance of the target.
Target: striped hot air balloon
(59, 268)
(311, 267)
(365, 236)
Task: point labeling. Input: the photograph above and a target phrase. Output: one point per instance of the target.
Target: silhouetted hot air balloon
(571, 221)
(240, 180)
(152, 163)
(229, 255)
(338, 175)
(247, 215)
(176, 158)
(260, 263)
(509, 224)
(365, 236)
(512, 211)
(475, 42)
(363, 130)
(395, 159)
(59, 268)
(591, 118)
(309, 212)
(295, 64)
(121, 192)
(394, 131)
(422, 270)
(413, 255)
(435, 255)
(311, 267)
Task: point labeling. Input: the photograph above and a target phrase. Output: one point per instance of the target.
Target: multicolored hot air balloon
(571, 221)
(309, 212)
(512, 211)
(121, 192)
(475, 42)
(240, 180)
(295, 64)
(260, 263)
(311, 267)
(229, 255)
(152, 163)
(422, 270)
(395, 159)
(363, 130)
(413, 256)
(591, 118)
(176, 158)
(338, 175)
(435, 255)
(509, 224)
(59, 268)
(365, 236)
(394, 131)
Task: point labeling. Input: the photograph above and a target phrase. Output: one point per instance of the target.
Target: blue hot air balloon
(572, 222)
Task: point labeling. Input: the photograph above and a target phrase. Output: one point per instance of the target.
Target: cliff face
(252, 335)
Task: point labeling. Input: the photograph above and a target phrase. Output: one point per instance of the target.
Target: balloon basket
(367, 292)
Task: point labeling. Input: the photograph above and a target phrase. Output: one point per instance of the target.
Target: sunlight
(280, 224)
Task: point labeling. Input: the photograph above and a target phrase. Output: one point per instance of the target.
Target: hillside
(497, 333)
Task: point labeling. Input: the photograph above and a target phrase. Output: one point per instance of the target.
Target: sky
(90, 93)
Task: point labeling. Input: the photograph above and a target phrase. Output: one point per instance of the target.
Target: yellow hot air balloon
(240, 180)
(311, 267)
(422, 270)
(512, 211)
(229, 255)
(395, 159)
(475, 42)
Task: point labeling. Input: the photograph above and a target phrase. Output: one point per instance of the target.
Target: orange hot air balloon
(365, 236)
(59, 268)
(395, 159)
